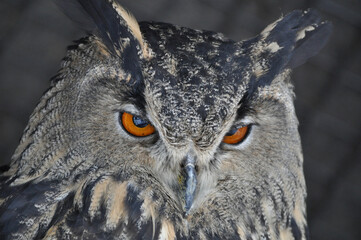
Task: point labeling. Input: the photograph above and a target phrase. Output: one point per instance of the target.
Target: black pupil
(232, 132)
(139, 122)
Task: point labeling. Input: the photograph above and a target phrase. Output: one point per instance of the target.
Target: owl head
(185, 127)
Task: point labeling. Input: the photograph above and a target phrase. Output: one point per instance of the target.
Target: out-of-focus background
(34, 35)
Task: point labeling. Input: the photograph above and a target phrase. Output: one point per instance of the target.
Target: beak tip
(190, 183)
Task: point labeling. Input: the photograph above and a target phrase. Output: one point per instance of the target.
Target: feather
(106, 19)
(313, 41)
(297, 37)
(284, 44)
(117, 28)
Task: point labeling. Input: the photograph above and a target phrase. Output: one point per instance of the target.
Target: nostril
(196, 168)
(182, 165)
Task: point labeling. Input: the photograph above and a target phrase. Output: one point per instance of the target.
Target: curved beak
(190, 181)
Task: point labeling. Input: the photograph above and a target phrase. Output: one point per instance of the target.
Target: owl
(155, 131)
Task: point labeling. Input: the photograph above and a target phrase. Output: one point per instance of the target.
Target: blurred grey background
(33, 40)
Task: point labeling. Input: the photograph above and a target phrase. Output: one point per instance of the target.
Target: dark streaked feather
(103, 20)
(293, 50)
(21, 203)
(310, 45)
(98, 17)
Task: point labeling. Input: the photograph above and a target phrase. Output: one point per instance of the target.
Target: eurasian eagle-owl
(155, 131)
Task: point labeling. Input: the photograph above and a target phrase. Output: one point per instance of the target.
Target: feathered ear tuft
(296, 37)
(106, 19)
(309, 42)
(285, 44)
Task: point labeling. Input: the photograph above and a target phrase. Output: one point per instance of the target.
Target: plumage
(78, 173)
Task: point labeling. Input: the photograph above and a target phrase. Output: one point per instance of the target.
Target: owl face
(177, 132)
(195, 90)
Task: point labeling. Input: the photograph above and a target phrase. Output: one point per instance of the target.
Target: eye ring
(135, 125)
(237, 135)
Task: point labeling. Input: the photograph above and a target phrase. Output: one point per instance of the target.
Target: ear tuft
(106, 19)
(309, 42)
(299, 36)
(285, 44)
(130, 21)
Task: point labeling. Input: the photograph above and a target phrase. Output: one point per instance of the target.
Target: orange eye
(136, 126)
(236, 135)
